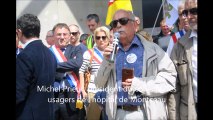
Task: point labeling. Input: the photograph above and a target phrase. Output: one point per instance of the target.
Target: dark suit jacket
(74, 61)
(35, 68)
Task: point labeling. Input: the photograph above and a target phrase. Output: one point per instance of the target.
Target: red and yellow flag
(114, 5)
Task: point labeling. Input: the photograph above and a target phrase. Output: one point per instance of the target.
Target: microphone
(115, 45)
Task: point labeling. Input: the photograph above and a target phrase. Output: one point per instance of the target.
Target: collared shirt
(29, 41)
(131, 58)
(63, 50)
(17, 51)
(194, 63)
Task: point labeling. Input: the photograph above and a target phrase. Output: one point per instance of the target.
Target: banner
(171, 11)
(114, 5)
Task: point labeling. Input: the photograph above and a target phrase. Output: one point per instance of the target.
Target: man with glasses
(74, 37)
(154, 75)
(182, 27)
(184, 55)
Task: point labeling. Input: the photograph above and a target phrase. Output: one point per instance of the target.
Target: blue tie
(62, 49)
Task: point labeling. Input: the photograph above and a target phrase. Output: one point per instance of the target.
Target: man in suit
(35, 71)
(69, 60)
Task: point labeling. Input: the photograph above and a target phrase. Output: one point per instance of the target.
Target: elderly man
(141, 97)
(184, 55)
(183, 27)
(74, 37)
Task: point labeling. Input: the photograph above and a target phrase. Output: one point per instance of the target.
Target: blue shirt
(131, 58)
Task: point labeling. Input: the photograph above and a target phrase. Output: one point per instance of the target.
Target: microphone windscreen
(117, 35)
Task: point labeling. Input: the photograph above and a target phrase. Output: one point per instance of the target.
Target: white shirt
(194, 63)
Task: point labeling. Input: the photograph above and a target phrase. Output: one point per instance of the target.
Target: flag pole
(157, 16)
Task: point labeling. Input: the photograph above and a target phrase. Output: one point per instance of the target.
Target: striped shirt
(94, 66)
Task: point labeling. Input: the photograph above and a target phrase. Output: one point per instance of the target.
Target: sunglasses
(192, 11)
(74, 33)
(99, 37)
(122, 21)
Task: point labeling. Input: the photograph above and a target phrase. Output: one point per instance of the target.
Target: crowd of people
(162, 84)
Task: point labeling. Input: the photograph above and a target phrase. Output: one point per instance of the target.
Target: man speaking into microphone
(153, 74)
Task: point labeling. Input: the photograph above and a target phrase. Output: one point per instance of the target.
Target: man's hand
(107, 51)
(127, 84)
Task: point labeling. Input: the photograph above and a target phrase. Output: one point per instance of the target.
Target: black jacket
(35, 67)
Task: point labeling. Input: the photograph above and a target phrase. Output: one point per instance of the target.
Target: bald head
(190, 4)
(73, 26)
(129, 13)
(181, 7)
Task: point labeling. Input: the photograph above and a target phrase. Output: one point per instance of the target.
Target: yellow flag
(114, 5)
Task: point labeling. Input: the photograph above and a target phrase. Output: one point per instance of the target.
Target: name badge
(131, 58)
(79, 104)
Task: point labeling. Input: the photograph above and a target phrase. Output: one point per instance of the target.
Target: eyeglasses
(122, 21)
(99, 37)
(74, 33)
(192, 11)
